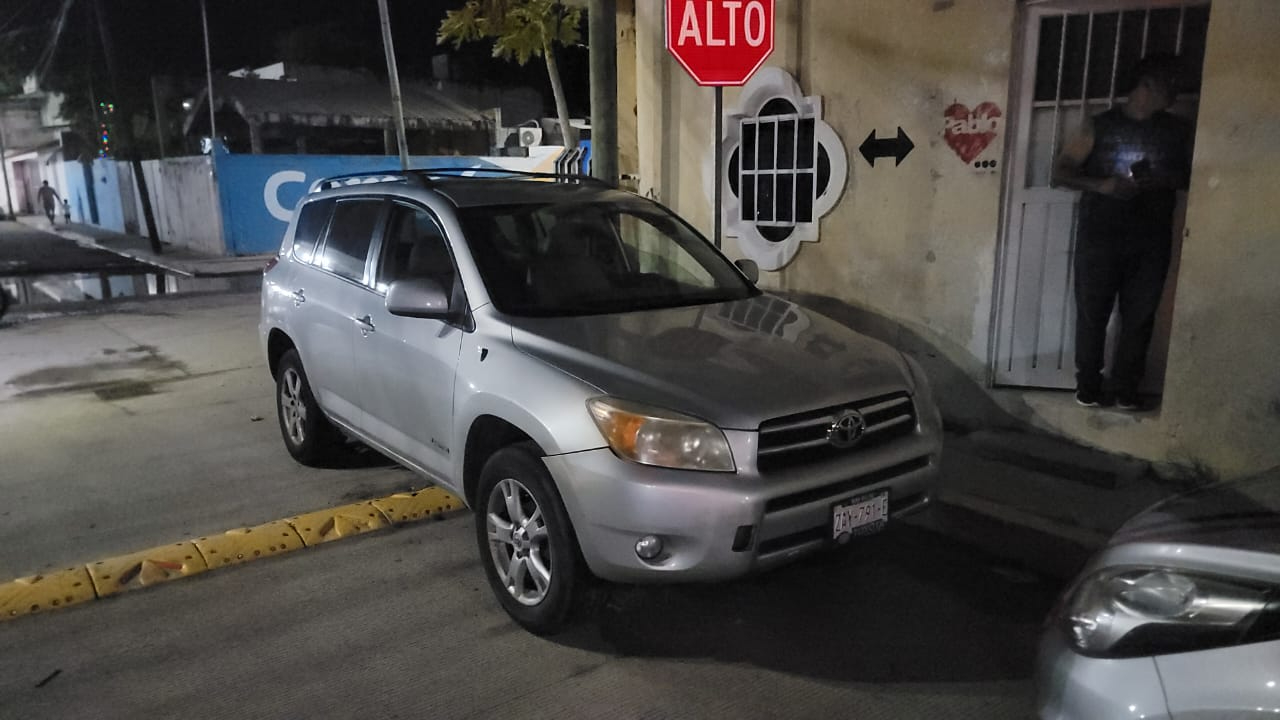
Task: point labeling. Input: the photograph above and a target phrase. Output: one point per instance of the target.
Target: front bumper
(716, 526)
(1071, 686)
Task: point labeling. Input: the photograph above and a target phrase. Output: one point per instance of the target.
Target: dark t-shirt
(1161, 145)
(47, 195)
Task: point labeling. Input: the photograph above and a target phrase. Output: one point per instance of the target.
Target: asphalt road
(25, 251)
(907, 624)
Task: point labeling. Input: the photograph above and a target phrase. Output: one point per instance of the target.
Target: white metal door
(1074, 57)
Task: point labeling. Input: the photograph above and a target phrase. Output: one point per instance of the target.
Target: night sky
(164, 37)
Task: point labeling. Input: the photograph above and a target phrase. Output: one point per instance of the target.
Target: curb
(76, 585)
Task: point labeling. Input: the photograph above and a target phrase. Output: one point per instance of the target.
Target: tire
(308, 434)
(538, 552)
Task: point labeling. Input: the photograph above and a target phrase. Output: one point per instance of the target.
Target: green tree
(520, 30)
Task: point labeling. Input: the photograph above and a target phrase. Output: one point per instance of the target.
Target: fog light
(649, 547)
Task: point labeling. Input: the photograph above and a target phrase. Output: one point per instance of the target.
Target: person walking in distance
(48, 200)
(1129, 161)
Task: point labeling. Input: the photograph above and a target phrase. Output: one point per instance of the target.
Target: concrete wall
(909, 253)
(184, 200)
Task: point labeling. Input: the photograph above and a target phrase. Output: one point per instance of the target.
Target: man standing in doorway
(48, 200)
(1130, 161)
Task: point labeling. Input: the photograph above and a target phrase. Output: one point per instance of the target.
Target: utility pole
(602, 37)
(127, 126)
(208, 76)
(8, 190)
(155, 100)
(397, 104)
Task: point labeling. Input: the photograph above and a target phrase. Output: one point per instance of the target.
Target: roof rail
(363, 178)
(465, 172)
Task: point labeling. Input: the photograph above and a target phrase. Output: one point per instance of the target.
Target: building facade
(890, 165)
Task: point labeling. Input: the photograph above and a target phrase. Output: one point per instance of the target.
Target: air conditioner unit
(530, 136)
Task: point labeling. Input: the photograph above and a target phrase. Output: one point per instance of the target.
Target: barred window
(781, 169)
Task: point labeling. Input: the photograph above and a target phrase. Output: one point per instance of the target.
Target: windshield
(560, 259)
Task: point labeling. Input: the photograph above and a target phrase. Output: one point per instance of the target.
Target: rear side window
(311, 221)
(346, 246)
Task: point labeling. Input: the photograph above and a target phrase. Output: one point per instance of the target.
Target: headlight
(653, 436)
(1132, 612)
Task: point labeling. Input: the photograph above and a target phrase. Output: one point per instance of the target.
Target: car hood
(734, 364)
(1242, 514)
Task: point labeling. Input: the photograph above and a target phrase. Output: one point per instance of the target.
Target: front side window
(552, 259)
(414, 248)
(346, 247)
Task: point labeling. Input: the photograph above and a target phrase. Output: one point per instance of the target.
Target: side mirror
(750, 269)
(418, 298)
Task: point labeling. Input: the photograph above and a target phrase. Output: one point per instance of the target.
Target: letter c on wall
(271, 193)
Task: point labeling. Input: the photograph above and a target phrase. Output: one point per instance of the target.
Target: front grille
(823, 532)
(844, 487)
(801, 439)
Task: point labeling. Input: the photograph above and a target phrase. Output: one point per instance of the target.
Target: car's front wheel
(527, 543)
(307, 433)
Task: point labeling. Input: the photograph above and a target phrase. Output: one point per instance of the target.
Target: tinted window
(414, 248)
(347, 244)
(592, 258)
(311, 221)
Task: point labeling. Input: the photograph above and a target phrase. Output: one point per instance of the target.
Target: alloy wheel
(293, 410)
(518, 542)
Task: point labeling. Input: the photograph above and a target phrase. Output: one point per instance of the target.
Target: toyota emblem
(847, 429)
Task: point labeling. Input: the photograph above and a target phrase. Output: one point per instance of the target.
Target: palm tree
(520, 30)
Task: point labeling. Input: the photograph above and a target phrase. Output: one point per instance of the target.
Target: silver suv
(613, 397)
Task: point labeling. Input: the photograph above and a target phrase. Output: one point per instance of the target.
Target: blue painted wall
(106, 184)
(76, 192)
(257, 193)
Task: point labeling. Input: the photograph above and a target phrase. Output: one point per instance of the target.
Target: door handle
(366, 324)
(298, 297)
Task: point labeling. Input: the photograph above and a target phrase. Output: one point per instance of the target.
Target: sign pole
(719, 161)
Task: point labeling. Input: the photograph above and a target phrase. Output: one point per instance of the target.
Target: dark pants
(1125, 263)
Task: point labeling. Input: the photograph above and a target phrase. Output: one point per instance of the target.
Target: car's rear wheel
(527, 544)
(308, 434)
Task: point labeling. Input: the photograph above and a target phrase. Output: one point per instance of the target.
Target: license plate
(861, 515)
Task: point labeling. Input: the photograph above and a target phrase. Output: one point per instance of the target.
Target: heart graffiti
(969, 132)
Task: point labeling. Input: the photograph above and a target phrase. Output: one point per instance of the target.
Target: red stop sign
(720, 42)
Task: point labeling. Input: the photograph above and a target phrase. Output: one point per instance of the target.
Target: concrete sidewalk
(173, 259)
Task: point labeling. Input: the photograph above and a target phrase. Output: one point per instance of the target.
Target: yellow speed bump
(247, 544)
(146, 568)
(410, 506)
(322, 526)
(29, 595)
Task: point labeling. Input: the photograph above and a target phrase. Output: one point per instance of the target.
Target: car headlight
(1133, 612)
(653, 436)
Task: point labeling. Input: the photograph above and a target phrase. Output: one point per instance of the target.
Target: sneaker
(1128, 401)
(1088, 398)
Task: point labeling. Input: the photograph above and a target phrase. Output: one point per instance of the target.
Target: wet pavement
(25, 251)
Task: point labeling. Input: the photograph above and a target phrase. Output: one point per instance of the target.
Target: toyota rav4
(611, 395)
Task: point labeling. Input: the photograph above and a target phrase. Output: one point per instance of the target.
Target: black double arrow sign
(897, 148)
